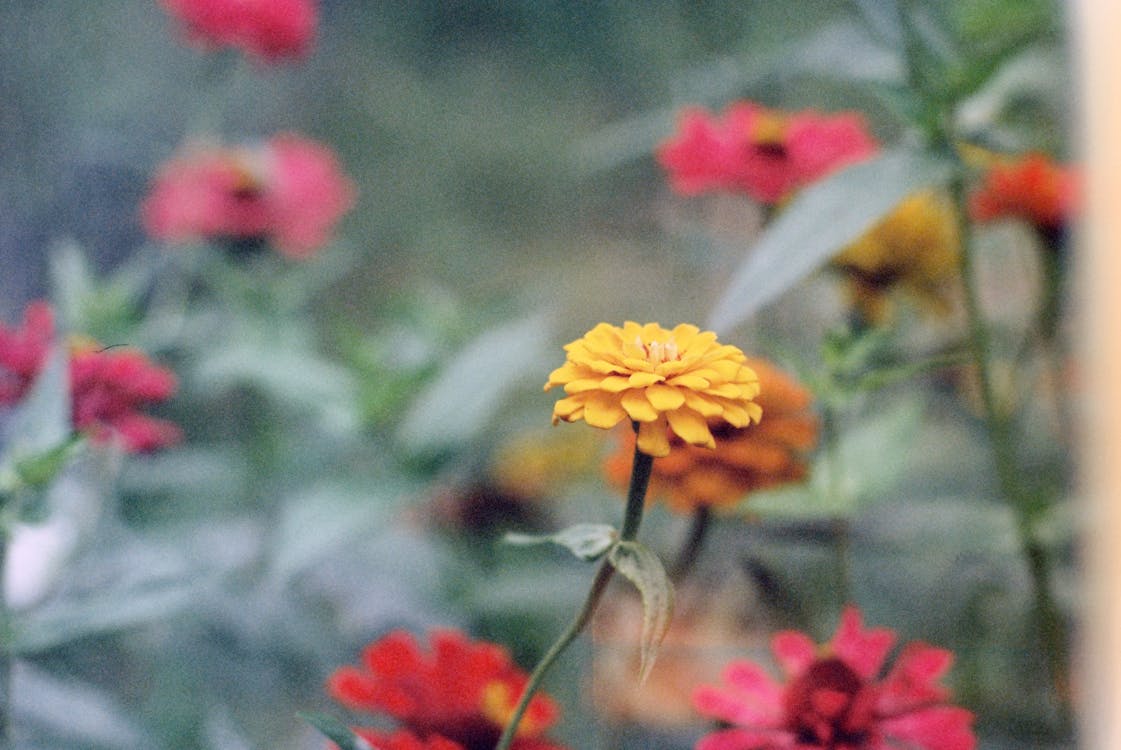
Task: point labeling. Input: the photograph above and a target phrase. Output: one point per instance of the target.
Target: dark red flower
(23, 351)
(460, 690)
(833, 698)
(764, 153)
(289, 190)
(267, 29)
(1031, 187)
(109, 387)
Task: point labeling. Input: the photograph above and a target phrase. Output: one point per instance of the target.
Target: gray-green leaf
(639, 565)
(336, 731)
(817, 224)
(588, 541)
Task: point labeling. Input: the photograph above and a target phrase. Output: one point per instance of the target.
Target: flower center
(768, 134)
(658, 352)
(829, 706)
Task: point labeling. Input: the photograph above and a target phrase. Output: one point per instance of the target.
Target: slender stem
(636, 499)
(5, 651)
(698, 531)
(1022, 502)
(835, 488)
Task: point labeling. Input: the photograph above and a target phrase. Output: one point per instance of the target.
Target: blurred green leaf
(102, 612)
(588, 541)
(65, 713)
(639, 565)
(336, 731)
(42, 421)
(819, 222)
(460, 402)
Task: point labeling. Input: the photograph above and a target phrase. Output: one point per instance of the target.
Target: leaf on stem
(817, 224)
(336, 731)
(639, 565)
(588, 541)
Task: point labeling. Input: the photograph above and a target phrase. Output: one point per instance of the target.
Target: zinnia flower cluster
(1031, 187)
(770, 453)
(766, 154)
(835, 699)
(266, 29)
(915, 248)
(456, 695)
(663, 380)
(289, 190)
(108, 387)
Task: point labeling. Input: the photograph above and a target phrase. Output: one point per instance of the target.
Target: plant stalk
(636, 500)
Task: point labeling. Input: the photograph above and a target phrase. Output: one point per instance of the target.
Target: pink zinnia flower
(459, 690)
(834, 699)
(23, 351)
(267, 29)
(108, 389)
(289, 190)
(764, 153)
(1031, 187)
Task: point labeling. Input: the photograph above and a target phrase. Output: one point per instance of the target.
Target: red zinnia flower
(109, 387)
(267, 29)
(833, 699)
(1031, 187)
(289, 190)
(764, 153)
(460, 690)
(23, 350)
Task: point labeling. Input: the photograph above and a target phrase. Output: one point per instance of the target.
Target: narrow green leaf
(641, 567)
(336, 731)
(817, 224)
(588, 541)
(42, 421)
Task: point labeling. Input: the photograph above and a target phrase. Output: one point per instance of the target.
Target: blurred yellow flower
(658, 378)
(756, 457)
(915, 248)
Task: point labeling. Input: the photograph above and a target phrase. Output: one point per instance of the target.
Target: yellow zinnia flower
(677, 379)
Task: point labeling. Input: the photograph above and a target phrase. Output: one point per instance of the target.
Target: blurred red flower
(1031, 187)
(289, 190)
(833, 700)
(459, 690)
(266, 29)
(764, 153)
(23, 350)
(108, 387)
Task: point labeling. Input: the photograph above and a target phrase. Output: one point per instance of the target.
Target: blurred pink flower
(764, 153)
(289, 190)
(23, 350)
(266, 29)
(833, 700)
(108, 387)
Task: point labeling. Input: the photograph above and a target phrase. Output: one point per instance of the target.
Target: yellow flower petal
(638, 407)
(664, 397)
(603, 410)
(653, 440)
(691, 427)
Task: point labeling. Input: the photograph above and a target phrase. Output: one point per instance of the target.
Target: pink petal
(744, 739)
(863, 650)
(913, 681)
(794, 651)
(750, 698)
(937, 728)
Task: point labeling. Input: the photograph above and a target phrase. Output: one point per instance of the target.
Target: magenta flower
(23, 350)
(267, 29)
(289, 190)
(834, 699)
(764, 153)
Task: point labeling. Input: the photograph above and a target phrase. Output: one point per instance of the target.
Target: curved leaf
(588, 541)
(818, 223)
(642, 567)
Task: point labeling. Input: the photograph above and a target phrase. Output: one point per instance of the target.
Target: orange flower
(680, 379)
(1031, 187)
(746, 459)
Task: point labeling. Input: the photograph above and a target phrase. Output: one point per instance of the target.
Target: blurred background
(361, 427)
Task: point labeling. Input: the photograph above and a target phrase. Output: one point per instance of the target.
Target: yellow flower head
(914, 248)
(677, 379)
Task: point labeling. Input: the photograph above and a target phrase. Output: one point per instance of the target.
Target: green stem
(1022, 502)
(691, 550)
(5, 651)
(840, 526)
(636, 499)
